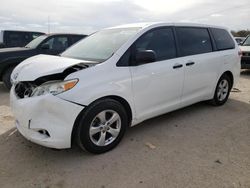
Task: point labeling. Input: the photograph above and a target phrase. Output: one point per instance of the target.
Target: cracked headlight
(54, 88)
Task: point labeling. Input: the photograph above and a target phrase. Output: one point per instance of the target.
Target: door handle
(176, 66)
(190, 63)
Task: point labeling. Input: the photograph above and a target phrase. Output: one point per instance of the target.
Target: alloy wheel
(105, 128)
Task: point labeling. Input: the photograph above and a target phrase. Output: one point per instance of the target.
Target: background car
(11, 38)
(245, 48)
(239, 40)
(52, 44)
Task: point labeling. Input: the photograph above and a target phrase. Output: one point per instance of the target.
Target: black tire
(83, 137)
(6, 77)
(216, 100)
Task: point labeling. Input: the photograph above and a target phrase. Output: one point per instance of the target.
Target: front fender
(101, 81)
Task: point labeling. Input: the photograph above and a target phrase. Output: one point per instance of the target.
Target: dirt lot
(199, 146)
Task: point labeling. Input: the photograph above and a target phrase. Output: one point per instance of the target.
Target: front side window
(222, 39)
(101, 45)
(193, 41)
(57, 43)
(161, 41)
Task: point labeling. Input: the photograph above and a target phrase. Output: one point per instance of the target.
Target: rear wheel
(6, 77)
(222, 91)
(102, 126)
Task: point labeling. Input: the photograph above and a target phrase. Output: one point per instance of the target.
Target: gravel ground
(198, 146)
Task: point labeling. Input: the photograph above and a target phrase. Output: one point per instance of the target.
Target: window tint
(58, 43)
(26, 37)
(75, 39)
(222, 39)
(15, 39)
(161, 41)
(193, 41)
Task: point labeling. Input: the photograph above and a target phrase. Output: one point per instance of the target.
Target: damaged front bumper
(46, 120)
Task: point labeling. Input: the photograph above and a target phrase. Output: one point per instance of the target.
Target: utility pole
(48, 24)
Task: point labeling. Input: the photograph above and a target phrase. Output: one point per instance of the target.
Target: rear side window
(14, 39)
(222, 39)
(193, 41)
(161, 41)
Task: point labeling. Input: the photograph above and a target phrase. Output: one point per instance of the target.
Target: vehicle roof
(53, 34)
(158, 24)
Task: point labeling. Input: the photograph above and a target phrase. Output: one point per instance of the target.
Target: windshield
(101, 45)
(246, 42)
(34, 43)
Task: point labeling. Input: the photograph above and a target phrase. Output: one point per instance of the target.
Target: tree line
(241, 33)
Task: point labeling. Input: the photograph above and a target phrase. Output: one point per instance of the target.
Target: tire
(6, 77)
(222, 91)
(97, 119)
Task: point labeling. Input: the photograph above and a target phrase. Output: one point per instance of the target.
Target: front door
(157, 86)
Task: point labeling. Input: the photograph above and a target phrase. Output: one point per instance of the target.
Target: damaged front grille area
(24, 89)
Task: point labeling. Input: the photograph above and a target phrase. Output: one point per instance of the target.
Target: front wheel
(102, 126)
(222, 91)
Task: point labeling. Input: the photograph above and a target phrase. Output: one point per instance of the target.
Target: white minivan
(119, 77)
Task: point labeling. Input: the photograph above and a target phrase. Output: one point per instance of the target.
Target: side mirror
(145, 56)
(45, 46)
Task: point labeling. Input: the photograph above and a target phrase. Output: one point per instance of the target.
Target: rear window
(193, 41)
(222, 39)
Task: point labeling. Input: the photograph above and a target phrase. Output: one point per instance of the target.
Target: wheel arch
(230, 75)
(121, 100)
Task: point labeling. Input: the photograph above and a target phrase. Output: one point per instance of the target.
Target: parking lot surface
(198, 146)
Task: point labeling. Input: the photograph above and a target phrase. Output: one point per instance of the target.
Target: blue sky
(86, 16)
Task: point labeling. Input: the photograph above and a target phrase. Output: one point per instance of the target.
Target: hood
(245, 48)
(6, 50)
(46, 65)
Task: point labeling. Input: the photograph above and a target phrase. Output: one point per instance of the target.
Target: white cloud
(165, 6)
(86, 16)
(216, 15)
